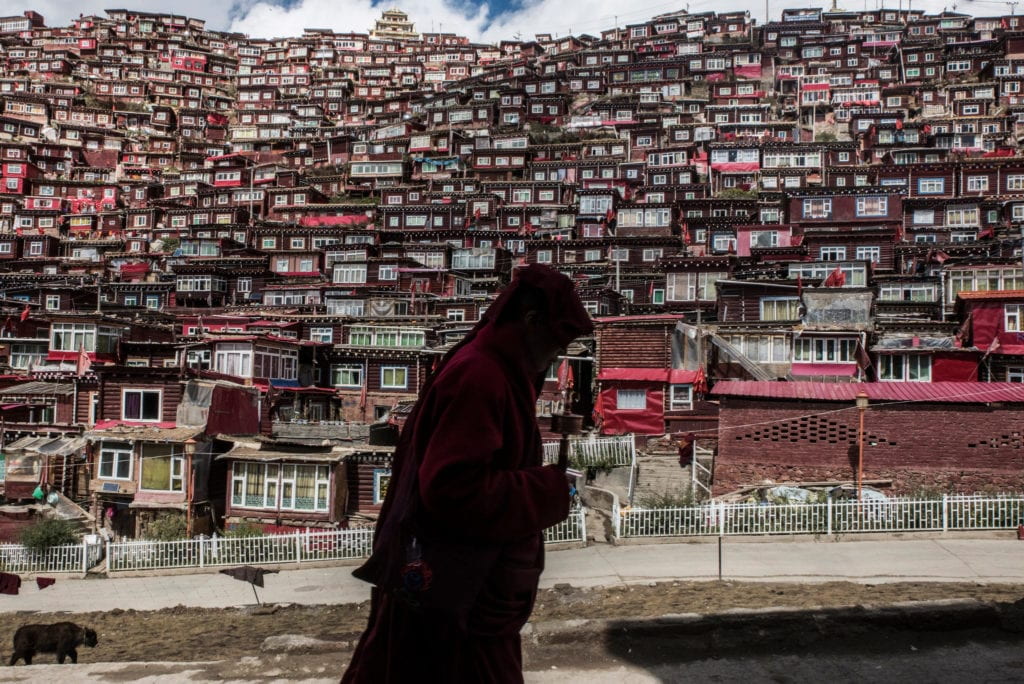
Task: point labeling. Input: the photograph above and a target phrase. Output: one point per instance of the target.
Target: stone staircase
(659, 474)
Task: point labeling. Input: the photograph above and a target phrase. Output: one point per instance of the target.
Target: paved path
(948, 559)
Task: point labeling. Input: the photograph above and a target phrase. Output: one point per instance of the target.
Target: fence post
(828, 515)
(721, 518)
(298, 546)
(202, 558)
(85, 558)
(616, 520)
(106, 554)
(583, 524)
(945, 512)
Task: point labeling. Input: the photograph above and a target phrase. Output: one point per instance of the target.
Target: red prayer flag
(362, 393)
(84, 363)
(565, 379)
(477, 214)
(835, 279)
(25, 314)
(992, 347)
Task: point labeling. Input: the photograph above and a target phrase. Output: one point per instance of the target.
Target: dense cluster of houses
(223, 258)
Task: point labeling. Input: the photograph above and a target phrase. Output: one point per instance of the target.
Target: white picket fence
(215, 551)
(300, 547)
(17, 559)
(572, 529)
(619, 450)
(842, 517)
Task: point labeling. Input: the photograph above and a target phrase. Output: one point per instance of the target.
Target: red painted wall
(961, 447)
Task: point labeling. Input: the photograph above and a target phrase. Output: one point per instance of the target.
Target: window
(234, 359)
(780, 308)
(631, 399)
(824, 350)
(1012, 314)
(544, 256)
(817, 208)
(872, 206)
(1015, 374)
(52, 302)
(324, 335)
(931, 186)
(924, 217)
(905, 368)
(1015, 182)
(143, 405)
(347, 375)
(387, 272)
(381, 480)
(162, 469)
(680, 397)
(287, 486)
(688, 287)
(870, 253)
(350, 273)
(977, 183)
(394, 377)
(115, 461)
(764, 238)
(832, 253)
(962, 216)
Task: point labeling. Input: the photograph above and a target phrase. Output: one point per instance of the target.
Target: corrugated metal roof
(38, 388)
(936, 392)
(991, 294)
(139, 433)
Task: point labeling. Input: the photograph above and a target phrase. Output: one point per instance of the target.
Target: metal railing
(299, 547)
(214, 551)
(16, 558)
(572, 529)
(951, 512)
(619, 450)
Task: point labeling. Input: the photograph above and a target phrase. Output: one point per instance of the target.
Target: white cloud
(480, 22)
(267, 18)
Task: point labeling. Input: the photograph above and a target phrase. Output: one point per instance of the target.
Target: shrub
(48, 533)
(167, 527)
(245, 529)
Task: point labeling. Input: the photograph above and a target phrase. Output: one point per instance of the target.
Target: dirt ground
(194, 634)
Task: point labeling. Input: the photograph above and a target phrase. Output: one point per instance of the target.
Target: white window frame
(142, 392)
(630, 399)
(107, 468)
(394, 370)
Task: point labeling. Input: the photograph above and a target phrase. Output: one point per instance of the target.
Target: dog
(62, 638)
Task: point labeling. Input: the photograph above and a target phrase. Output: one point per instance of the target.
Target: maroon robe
(468, 482)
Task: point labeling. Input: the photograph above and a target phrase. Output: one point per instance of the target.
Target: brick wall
(963, 447)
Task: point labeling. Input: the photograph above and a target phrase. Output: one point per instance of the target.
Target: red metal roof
(991, 294)
(937, 392)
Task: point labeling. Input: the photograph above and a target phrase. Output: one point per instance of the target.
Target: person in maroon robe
(458, 548)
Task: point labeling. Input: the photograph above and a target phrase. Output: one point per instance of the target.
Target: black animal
(62, 638)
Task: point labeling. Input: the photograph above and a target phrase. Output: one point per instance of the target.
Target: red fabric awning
(844, 369)
(674, 376)
(736, 167)
(635, 374)
(333, 220)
